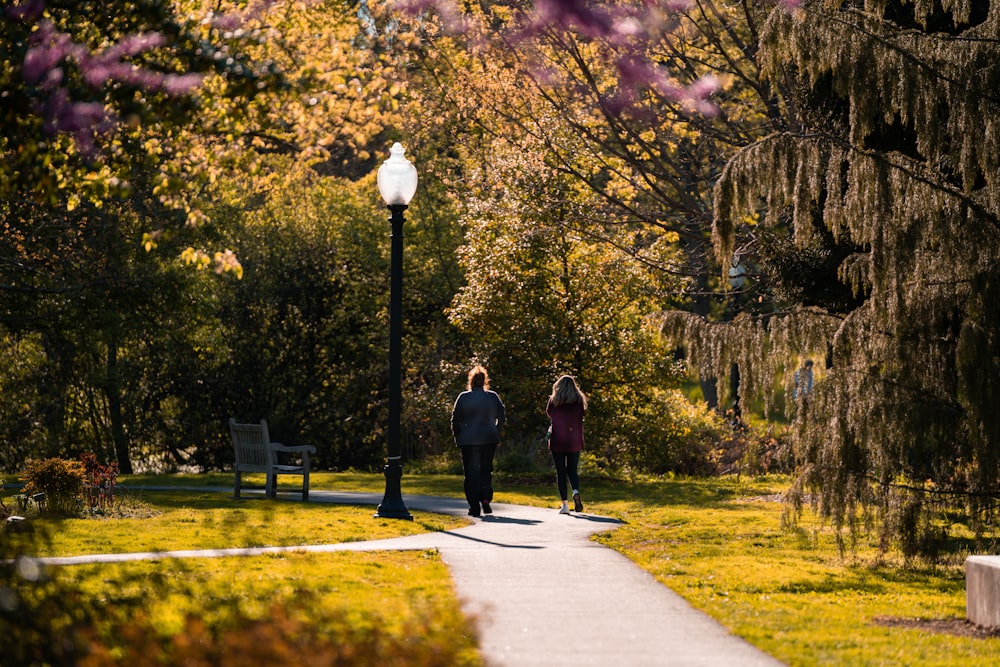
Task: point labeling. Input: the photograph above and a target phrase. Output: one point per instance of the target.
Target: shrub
(514, 462)
(669, 434)
(750, 449)
(293, 633)
(61, 481)
(100, 485)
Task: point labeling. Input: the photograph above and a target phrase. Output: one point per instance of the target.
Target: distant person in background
(566, 407)
(476, 421)
(803, 381)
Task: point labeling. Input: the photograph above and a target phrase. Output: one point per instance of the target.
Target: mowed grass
(335, 608)
(719, 543)
(177, 520)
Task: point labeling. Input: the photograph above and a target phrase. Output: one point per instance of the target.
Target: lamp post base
(392, 506)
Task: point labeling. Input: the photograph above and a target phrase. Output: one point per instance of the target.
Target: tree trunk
(112, 389)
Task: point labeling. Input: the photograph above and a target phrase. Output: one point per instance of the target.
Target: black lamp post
(397, 183)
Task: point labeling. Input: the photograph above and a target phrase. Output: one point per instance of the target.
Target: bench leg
(236, 491)
(271, 488)
(305, 486)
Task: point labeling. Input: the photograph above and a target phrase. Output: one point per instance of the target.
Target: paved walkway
(543, 592)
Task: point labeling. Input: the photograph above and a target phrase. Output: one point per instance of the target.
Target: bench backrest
(252, 445)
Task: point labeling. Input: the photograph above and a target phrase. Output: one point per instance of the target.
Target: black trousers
(477, 463)
(566, 465)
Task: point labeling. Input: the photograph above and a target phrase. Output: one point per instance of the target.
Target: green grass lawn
(719, 543)
(190, 520)
(395, 608)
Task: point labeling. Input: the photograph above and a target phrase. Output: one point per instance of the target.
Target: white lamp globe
(397, 178)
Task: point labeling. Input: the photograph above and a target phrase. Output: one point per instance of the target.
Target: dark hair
(478, 377)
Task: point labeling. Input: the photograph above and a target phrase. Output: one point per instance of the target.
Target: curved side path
(541, 591)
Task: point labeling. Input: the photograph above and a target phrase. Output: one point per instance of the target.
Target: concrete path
(542, 592)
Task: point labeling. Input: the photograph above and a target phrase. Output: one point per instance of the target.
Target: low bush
(300, 632)
(750, 449)
(671, 435)
(64, 621)
(60, 480)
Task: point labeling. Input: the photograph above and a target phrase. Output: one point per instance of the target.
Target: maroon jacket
(567, 427)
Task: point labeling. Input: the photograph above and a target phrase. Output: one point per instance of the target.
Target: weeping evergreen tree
(874, 222)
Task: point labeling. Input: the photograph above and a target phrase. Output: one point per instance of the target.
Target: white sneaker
(564, 509)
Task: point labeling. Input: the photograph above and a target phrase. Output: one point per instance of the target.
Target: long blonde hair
(478, 377)
(565, 390)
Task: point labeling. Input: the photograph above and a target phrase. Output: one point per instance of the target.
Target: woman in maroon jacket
(566, 407)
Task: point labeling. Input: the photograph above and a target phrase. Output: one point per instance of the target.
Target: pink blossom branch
(50, 50)
(625, 29)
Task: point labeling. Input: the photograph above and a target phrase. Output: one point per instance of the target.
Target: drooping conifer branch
(895, 170)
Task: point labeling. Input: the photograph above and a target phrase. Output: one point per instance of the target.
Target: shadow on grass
(704, 493)
(880, 581)
(269, 506)
(960, 627)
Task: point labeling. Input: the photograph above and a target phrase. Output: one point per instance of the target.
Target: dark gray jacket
(477, 418)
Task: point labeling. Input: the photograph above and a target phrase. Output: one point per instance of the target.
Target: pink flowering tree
(79, 81)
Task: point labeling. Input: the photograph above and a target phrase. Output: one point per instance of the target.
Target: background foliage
(128, 352)
(583, 198)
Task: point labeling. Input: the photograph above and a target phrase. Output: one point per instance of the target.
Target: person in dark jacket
(565, 408)
(476, 421)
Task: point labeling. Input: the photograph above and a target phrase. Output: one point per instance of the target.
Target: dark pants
(566, 465)
(477, 463)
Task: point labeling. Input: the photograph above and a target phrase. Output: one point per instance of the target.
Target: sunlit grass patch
(190, 520)
(380, 607)
(722, 546)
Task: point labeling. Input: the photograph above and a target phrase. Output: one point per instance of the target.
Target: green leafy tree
(544, 296)
(304, 334)
(103, 212)
(648, 152)
(306, 329)
(94, 93)
(91, 302)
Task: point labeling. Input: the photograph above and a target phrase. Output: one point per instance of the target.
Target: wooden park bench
(256, 453)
